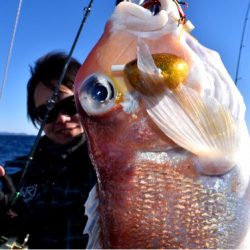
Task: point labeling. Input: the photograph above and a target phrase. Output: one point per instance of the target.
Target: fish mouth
(153, 5)
(151, 18)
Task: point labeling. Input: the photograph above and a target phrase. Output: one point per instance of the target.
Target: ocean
(12, 145)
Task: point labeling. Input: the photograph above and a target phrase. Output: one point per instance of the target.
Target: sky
(49, 25)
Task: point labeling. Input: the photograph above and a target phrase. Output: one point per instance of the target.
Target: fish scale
(202, 213)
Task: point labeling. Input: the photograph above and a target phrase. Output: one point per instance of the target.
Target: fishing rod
(52, 100)
(241, 44)
(10, 49)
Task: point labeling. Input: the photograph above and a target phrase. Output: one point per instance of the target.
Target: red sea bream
(166, 131)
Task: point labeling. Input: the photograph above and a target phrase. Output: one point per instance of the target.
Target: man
(57, 182)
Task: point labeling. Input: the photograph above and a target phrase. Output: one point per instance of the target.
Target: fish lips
(153, 5)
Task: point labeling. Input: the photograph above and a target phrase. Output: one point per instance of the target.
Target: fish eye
(97, 94)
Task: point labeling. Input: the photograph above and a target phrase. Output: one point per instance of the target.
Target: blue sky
(47, 25)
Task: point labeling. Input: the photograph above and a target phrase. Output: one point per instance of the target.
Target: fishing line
(241, 44)
(10, 49)
(52, 100)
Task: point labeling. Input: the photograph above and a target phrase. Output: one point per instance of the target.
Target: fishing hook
(183, 18)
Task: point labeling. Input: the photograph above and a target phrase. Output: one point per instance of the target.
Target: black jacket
(54, 189)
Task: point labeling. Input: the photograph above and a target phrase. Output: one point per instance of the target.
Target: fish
(166, 132)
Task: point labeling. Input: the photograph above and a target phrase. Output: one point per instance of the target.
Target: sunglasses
(67, 107)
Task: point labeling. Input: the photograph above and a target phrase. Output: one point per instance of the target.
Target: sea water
(12, 146)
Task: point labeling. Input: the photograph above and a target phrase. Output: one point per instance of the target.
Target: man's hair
(45, 70)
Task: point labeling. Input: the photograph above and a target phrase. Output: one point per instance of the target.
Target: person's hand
(2, 171)
(6, 196)
(2, 195)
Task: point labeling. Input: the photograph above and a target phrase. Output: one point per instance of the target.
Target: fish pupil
(100, 93)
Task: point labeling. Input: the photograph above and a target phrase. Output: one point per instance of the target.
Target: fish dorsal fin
(92, 227)
(200, 124)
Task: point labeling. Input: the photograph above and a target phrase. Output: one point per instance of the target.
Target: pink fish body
(170, 150)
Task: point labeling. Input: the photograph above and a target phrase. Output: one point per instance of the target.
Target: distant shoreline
(15, 134)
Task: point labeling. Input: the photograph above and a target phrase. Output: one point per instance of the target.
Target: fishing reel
(13, 243)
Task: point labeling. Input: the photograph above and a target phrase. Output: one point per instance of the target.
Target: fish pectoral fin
(149, 73)
(199, 124)
(92, 227)
(145, 61)
(212, 165)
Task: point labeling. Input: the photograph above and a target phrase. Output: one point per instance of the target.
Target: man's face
(64, 128)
